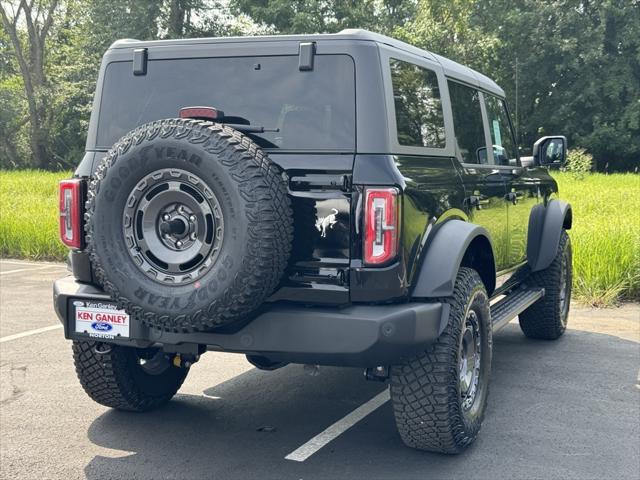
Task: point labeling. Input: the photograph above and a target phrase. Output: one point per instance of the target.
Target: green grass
(605, 234)
(29, 215)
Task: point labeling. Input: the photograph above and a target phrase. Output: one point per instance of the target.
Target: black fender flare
(443, 258)
(546, 223)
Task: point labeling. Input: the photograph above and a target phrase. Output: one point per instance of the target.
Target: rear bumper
(358, 336)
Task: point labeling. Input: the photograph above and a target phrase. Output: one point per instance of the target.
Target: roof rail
(123, 40)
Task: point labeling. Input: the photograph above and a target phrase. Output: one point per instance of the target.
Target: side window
(504, 146)
(467, 123)
(419, 118)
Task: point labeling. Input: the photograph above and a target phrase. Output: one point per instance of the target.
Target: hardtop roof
(451, 68)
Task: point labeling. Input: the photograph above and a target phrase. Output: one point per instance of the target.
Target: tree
(451, 28)
(578, 72)
(309, 16)
(29, 47)
(12, 106)
(577, 61)
(201, 18)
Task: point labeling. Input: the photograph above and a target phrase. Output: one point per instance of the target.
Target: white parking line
(26, 262)
(316, 443)
(16, 336)
(41, 267)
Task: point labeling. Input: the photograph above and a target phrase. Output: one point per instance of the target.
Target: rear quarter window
(471, 145)
(312, 110)
(416, 96)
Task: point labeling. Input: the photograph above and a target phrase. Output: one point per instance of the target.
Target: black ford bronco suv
(342, 199)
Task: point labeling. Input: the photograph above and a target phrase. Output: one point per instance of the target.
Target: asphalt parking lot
(565, 409)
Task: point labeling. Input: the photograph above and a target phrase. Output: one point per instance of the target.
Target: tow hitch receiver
(377, 374)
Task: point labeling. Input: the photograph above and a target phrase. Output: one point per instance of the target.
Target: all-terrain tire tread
(424, 389)
(543, 319)
(107, 379)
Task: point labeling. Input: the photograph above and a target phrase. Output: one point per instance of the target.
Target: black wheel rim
(469, 359)
(173, 226)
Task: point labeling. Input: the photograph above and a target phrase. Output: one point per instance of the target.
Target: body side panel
(432, 193)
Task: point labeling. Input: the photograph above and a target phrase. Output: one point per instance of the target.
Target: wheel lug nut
(192, 218)
(166, 217)
(178, 244)
(193, 236)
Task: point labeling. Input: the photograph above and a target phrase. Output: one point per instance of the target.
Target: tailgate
(320, 192)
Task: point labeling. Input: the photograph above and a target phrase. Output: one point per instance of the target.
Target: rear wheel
(126, 378)
(440, 396)
(547, 318)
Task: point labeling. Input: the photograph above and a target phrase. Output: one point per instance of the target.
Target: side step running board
(514, 303)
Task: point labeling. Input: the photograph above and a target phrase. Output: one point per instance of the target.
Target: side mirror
(499, 156)
(481, 156)
(550, 151)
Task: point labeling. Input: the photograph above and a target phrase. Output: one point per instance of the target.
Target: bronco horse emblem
(322, 223)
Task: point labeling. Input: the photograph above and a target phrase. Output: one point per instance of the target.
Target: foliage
(29, 215)
(451, 28)
(59, 104)
(568, 67)
(579, 162)
(26, 28)
(605, 235)
(578, 69)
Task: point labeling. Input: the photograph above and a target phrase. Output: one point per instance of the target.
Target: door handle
(512, 197)
(477, 201)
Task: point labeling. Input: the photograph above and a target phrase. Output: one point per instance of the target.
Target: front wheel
(126, 378)
(547, 318)
(439, 396)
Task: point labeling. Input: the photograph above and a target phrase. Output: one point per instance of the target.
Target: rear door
(483, 182)
(523, 188)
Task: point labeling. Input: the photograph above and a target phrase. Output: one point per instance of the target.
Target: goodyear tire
(126, 378)
(439, 396)
(547, 318)
(188, 225)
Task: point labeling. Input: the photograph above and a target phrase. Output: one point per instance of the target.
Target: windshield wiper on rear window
(250, 128)
(213, 114)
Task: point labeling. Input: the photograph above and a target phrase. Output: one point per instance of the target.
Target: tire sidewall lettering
(152, 302)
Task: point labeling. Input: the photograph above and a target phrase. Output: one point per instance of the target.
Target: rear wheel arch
(479, 256)
(455, 244)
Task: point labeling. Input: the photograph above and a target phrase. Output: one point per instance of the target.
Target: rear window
(312, 110)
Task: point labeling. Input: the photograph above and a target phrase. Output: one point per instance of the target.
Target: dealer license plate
(100, 319)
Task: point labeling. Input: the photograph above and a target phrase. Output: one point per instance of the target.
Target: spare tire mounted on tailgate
(188, 224)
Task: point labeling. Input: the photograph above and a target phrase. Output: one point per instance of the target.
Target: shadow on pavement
(564, 409)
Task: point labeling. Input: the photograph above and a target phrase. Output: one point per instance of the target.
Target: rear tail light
(381, 225)
(71, 213)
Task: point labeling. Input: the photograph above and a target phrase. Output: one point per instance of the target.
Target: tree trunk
(31, 65)
(177, 10)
